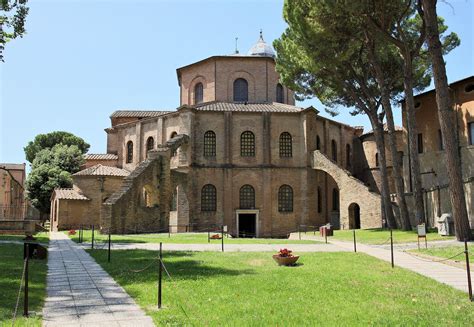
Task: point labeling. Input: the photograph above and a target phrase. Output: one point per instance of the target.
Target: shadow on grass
(180, 265)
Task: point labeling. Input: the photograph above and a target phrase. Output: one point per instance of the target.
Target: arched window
(247, 197)
(129, 152)
(376, 160)
(241, 90)
(334, 150)
(335, 199)
(150, 144)
(348, 156)
(286, 150)
(174, 152)
(285, 199)
(198, 93)
(247, 144)
(208, 198)
(320, 202)
(318, 143)
(209, 144)
(279, 94)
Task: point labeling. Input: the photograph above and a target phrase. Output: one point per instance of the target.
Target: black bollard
(160, 276)
(391, 247)
(92, 244)
(355, 247)
(468, 268)
(108, 254)
(222, 237)
(208, 236)
(25, 303)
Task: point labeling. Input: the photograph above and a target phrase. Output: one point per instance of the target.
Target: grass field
(183, 238)
(378, 236)
(40, 237)
(249, 289)
(11, 267)
(450, 251)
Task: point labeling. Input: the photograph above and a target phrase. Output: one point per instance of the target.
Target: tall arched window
(150, 144)
(247, 144)
(241, 90)
(209, 144)
(335, 199)
(279, 94)
(285, 199)
(286, 150)
(129, 152)
(198, 93)
(174, 152)
(247, 197)
(348, 156)
(376, 160)
(318, 143)
(320, 202)
(208, 198)
(334, 150)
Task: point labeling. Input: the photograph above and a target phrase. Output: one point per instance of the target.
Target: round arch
(354, 216)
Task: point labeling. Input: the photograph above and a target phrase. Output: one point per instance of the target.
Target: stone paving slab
(80, 293)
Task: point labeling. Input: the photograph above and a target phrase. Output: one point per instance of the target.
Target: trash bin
(35, 250)
(326, 230)
(445, 224)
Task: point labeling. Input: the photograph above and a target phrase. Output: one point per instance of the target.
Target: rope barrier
(19, 293)
(436, 261)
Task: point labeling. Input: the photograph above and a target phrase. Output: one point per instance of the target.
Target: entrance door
(247, 225)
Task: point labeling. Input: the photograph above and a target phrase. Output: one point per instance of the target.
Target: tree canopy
(12, 21)
(48, 141)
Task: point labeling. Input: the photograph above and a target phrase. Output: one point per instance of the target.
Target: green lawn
(40, 237)
(379, 236)
(449, 251)
(249, 289)
(183, 238)
(11, 267)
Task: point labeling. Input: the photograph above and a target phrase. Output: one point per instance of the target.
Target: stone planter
(285, 261)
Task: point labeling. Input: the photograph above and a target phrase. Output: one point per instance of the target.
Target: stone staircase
(351, 190)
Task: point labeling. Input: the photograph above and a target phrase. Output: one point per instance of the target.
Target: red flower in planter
(285, 253)
(216, 237)
(72, 232)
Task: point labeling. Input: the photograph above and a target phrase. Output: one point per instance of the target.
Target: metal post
(426, 242)
(468, 268)
(92, 237)
(25, 304)
(160, 275)
(299, 231)
(222, 237)
(208, 235)
(355, 247)
(391, 246)
(169, 232)
(325, 234)
(108, 255)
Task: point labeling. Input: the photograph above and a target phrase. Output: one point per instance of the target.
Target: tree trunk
(446, 121)
(397, 171)
(413, 138)
(385, 192)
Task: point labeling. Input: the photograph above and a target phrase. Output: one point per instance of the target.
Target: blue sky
(83, 59)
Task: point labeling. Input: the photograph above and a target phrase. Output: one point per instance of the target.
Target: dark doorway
(247, 225)
(354, 216)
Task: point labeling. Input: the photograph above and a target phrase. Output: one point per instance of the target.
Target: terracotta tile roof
(69, 194)
(385, 129)
(101, 156)
(11, 166)
(248, 107)
(99, 170)
(138, 113)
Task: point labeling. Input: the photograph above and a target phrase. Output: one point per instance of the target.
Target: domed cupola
(261, 48)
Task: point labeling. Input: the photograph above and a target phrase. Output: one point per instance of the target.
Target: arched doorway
(354, 216)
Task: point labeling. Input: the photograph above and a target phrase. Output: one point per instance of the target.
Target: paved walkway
(216, 247)
(443, 273)
(81, 293)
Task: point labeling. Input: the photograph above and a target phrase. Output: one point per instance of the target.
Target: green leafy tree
(52, 168)
(12, 21)
(447, 120)
(48, 141)
(321, 54)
